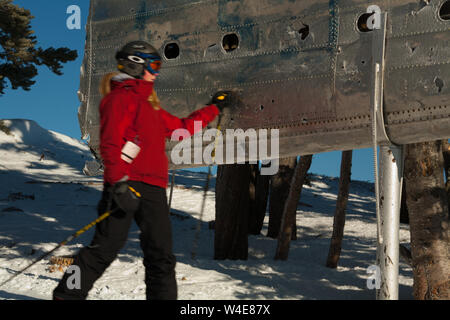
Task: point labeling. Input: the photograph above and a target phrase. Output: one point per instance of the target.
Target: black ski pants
(110, 237)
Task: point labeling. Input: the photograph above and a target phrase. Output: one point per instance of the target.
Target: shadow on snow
(41, 226)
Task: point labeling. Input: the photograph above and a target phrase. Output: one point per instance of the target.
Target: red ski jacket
(127, 115)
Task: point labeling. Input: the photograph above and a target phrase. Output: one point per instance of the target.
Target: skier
(133, 130)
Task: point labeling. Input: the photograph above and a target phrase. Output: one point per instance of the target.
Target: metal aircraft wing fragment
(303, 67)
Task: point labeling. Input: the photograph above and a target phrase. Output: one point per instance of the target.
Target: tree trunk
(428, 220)
(258, 201)
(232, 208)
(341, 205)
(404, 215)
(446, 153)
(254, 173)
(290, 209)
(279, 191)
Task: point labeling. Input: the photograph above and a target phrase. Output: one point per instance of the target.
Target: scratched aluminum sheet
(302, 67)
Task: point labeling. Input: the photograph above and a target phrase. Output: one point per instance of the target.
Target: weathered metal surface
(391, 163)
(301, 66)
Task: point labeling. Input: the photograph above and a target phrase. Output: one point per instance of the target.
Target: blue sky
(53, 101)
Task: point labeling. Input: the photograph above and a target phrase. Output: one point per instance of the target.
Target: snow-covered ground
(44, 198)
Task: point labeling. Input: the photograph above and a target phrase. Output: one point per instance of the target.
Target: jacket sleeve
(202, 117)
(116, 116)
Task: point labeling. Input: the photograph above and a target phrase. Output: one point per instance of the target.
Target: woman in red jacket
(132, 145)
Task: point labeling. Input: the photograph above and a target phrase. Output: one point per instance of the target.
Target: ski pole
(199, 224)
(171, 189)
(205, 192)
(63, 243)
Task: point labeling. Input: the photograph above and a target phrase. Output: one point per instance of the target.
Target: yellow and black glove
(224, 99)
(126, 197)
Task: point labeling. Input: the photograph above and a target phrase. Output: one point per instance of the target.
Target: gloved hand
(126, 197)
(224, 99)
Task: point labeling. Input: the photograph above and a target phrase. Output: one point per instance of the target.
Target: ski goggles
(153, 62)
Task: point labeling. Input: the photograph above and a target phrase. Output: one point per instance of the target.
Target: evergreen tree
(19, 55)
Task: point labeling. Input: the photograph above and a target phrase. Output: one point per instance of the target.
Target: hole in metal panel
(444, 12)
(362, 22)
(171, 51)
(304, 31)
(230, 42)
(439, 84)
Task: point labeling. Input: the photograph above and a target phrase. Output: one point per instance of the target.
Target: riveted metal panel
(301, 66)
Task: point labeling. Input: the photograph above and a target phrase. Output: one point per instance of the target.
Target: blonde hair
(105, 84)
(154, 101)
(105, 89)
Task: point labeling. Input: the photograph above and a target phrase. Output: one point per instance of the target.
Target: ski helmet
(136, 57)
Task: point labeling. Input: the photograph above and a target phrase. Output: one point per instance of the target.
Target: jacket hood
(124, 81)
(120, 77)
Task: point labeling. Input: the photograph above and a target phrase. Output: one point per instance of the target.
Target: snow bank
(40, 153)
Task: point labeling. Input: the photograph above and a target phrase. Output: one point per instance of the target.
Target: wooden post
(279, 191)
(404, 216)
(339, 215)
(428, 220)
(290, 209)
(446, 154)
(259, 193)
(232, 208)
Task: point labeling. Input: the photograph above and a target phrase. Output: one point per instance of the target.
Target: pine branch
(19, 56)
